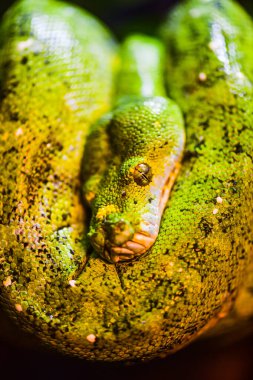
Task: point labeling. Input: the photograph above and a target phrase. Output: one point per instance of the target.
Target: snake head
(146, 140)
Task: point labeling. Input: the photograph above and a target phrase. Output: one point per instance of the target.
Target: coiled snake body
(57, 79)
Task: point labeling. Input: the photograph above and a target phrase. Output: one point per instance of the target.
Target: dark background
(124, 16)
(215, 359)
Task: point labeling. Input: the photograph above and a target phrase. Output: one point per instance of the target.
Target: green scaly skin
(160, 302)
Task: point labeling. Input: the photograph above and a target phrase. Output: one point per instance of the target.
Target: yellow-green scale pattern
(212, 70)
(160, 302)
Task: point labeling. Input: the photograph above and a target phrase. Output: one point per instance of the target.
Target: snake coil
(56, 69)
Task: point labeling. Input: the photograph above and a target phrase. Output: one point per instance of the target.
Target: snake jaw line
(168, 186)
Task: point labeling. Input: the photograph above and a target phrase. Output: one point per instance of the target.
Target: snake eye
(142, 174)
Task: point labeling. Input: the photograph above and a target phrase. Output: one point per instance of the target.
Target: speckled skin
(162, 301)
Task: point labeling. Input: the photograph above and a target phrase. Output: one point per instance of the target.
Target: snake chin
(132, 249)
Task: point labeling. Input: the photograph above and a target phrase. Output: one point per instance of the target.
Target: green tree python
(163, 270)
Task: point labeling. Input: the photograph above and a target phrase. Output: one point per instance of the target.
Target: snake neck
(142, 68)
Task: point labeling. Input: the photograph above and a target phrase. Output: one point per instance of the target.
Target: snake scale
(57, 69)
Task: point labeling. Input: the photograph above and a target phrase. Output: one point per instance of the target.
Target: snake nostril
(117, 229)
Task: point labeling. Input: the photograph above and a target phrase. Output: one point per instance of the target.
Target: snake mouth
(126, 246)
(129, 245)
(132, 249)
